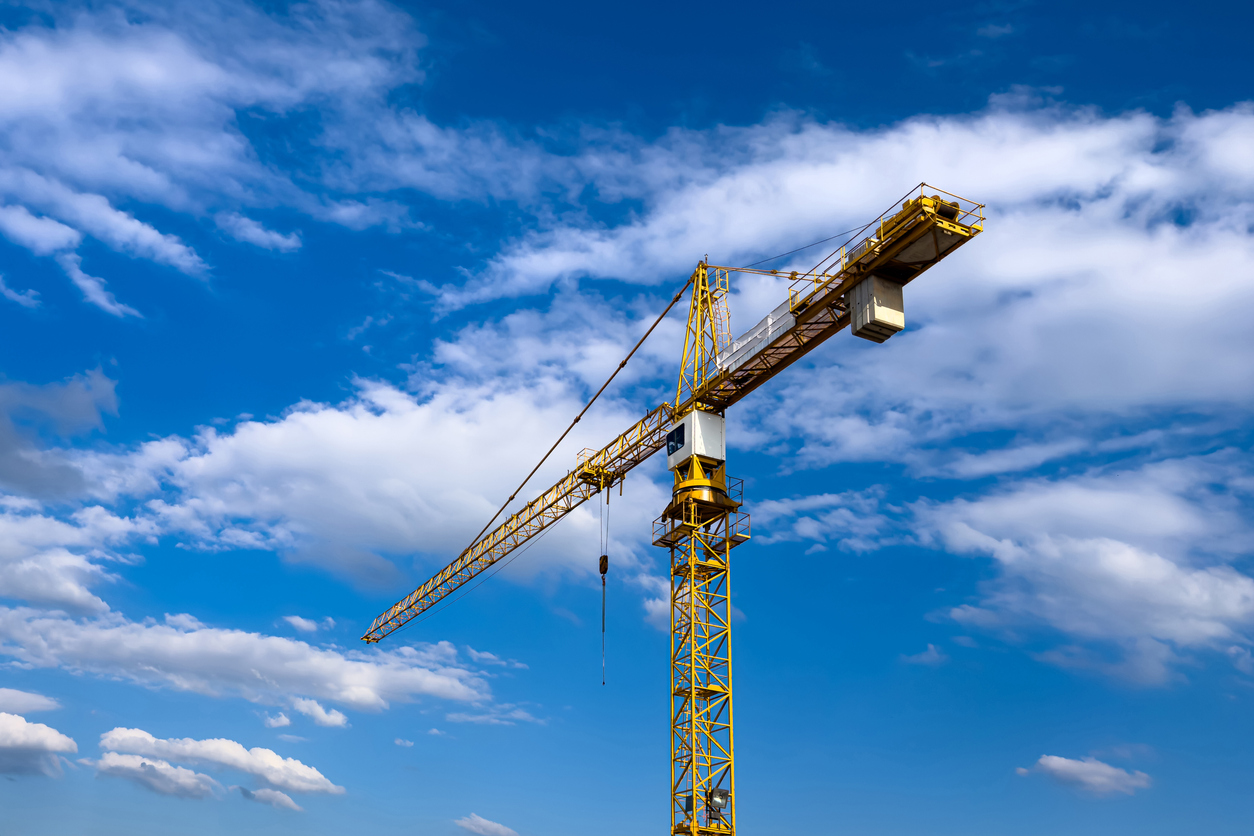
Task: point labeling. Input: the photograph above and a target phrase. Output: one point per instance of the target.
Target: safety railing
(923, 198)
(865, 241)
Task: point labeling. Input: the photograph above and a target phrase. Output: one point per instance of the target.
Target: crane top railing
(950, 210)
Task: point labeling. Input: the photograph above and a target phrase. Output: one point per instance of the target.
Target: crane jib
(900, 245)
(601, 469)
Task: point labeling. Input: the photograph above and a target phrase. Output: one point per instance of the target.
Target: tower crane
(857, 286)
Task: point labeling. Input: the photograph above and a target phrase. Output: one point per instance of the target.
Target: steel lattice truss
(701, 693)
(601, 469)
(900, 244)
(703, 523)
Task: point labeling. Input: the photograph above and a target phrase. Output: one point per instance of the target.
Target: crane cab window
(675, 440)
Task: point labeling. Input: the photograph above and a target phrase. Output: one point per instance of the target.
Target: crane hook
(605, 567)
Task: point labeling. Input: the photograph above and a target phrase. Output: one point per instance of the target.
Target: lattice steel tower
(700, 526)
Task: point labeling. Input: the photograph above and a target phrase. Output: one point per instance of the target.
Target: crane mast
(700, 527)
(858, 286)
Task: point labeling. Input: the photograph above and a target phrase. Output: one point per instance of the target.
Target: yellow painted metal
(816, 298)
(599, 470)
(697, 527)
(700, 535)
(703, 521)
(708, 333)
(899, 245)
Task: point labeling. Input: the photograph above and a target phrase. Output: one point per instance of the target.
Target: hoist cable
(806, 247)
(603, 629)
(854, 232)
(587, 406)
(605, 565)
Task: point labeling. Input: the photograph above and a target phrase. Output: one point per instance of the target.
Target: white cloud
(965, 369)
(402, 742)
(184, 621)
(274, 798)
(156, 775)
(24, 702)
(853, 519)
(282, 773)
(25, 298)
(31, 748)
(1126, 569)
(391, 478)
(93, 288)
(504, 714)
(220, 662)
(485, 658)
(61, 409)
(278, 721)
(140, 107)
(157, 123)
(1108, 187)
(1133, 561)
(50, 561)
(1090, 775)
(478, 824)
(41, 236)
(994, 30)
(94, 214)
(305, 625)
(767, 186)
(932, 657)
(312, 708)
(250, 232)
(1050, 329)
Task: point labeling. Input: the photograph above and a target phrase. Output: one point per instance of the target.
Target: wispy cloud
(995, 30)
(25, 298)
(25, 702)
(305, 625)
(503, 714)
(483, 827)
(251, 232)
(313, 709)
(931, 657)
(1090, 775)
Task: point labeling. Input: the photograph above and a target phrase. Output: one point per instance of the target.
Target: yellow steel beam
(702, 740)
(601, 469)
(900, 244)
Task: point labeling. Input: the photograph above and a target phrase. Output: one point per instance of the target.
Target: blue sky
(293, 295)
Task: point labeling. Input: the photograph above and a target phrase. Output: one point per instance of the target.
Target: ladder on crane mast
(857, 286)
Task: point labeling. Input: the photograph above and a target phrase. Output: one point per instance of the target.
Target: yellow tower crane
(858, 286)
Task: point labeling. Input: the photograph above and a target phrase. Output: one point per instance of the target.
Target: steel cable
(587, 406)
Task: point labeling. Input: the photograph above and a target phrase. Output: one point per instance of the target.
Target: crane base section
(700, 535)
